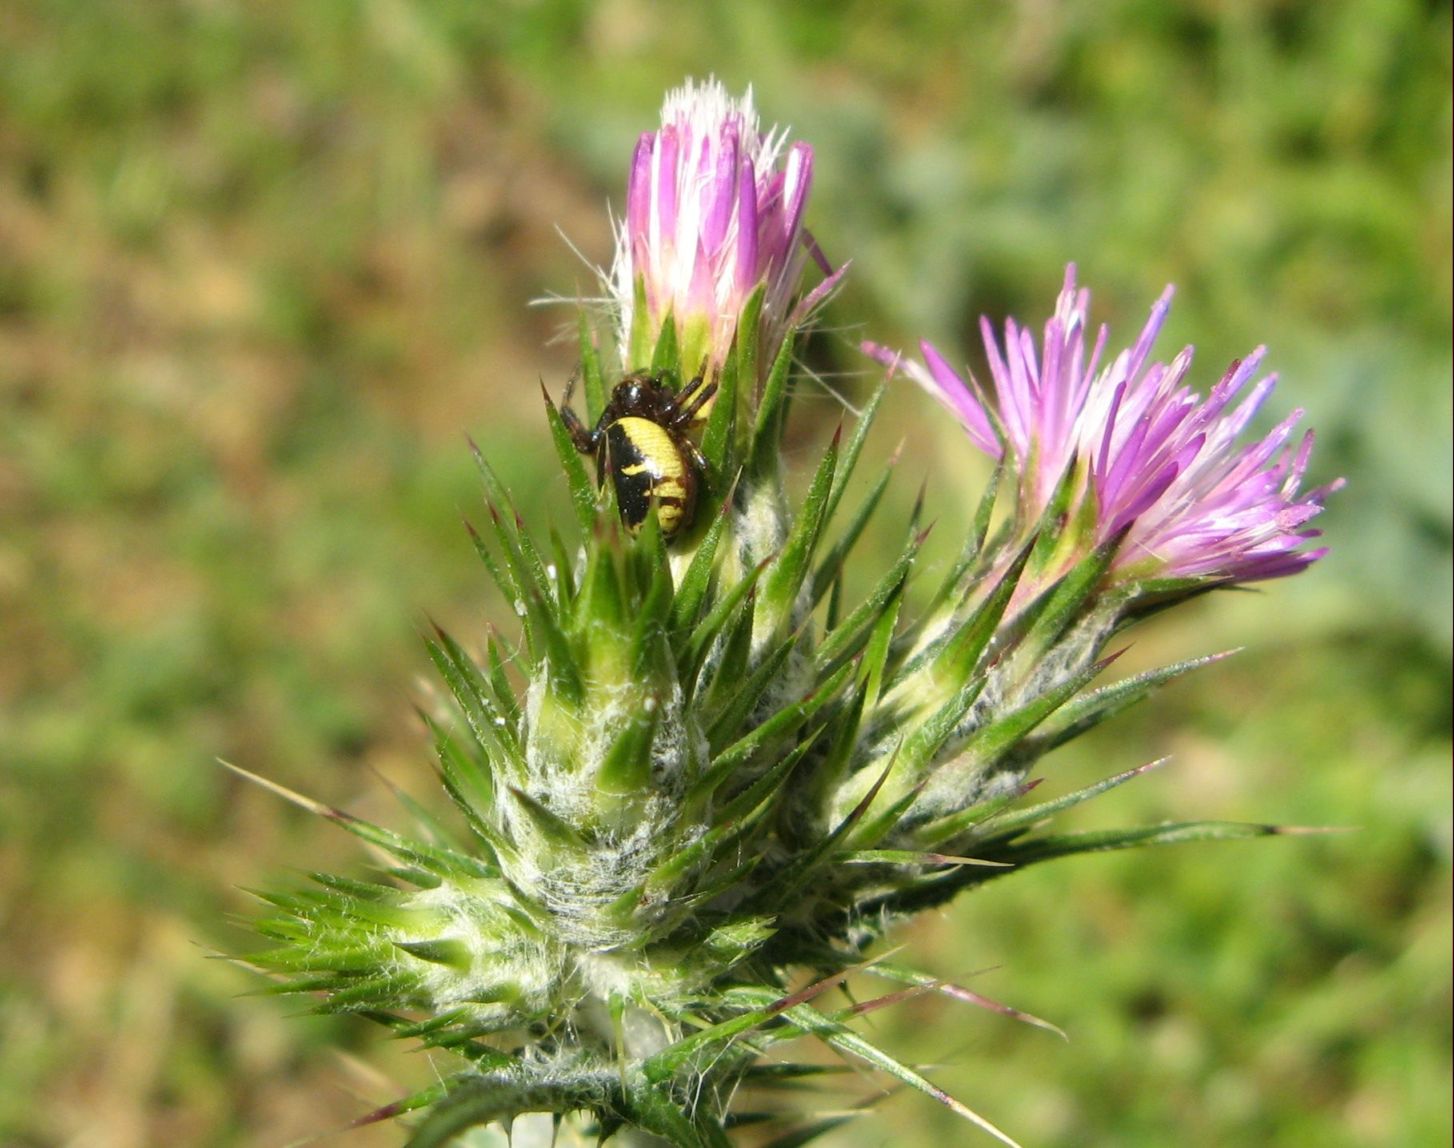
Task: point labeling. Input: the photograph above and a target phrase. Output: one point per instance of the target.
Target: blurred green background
(262, 268)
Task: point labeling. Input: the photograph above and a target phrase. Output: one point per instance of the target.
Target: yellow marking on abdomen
(654, 443)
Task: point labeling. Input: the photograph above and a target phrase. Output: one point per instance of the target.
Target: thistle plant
(705, 778)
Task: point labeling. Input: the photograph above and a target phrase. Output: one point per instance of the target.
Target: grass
(263, 267)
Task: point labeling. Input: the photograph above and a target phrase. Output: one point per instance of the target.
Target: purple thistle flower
(1143, 453)
(714, 209)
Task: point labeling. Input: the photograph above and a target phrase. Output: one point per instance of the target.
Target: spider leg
(693, 453)
(700, 394)
(584, 440)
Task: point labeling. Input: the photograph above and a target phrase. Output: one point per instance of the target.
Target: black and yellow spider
(640, 443)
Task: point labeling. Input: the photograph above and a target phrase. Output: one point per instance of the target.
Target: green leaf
(984, 511)
(732, 820)
(601, 604)
(911, 857)
(582, 490)
(871, 830)
(961, 654)
(533, 568)
(1086, 712)
(834, 613)
(794, 560)
(845, 720)
(499, 681)
(446, 951)
(591, 372)
(747, 343)
(1105, 840)
(470, 786)
(493, 731)
(550, 825)
(424, 821)
(809, 1022)
(655, 1110)
(784, 721)
(876, 649)
(763, 450)
(985, 745)
(561, 572)
(797, 871)
(1053, 613)
(718, 440)
(551, 646)
(935, 833)
(754, 800)
(365, 890)
(692, 590)
(432, 858)
(666, 356)
(1056, 526)
(652, 656)
(626, 769)
(847, 638)
(706, 631)
(367, 993)
(763, 1005)
(1005, 824)
(498, 1097)
(954, 582)
(495, 491)
(768, 1073)
(730, 696)
(532, 596)
(454, 1029)
(832, 564)
(861, 427)
(523, 560)
(302, 957)
(925, 743)
(415, 1100)
(729, 663)
(502, 578)
(473, 792)
(1149, 596)
(956, 655)
(852, 1044)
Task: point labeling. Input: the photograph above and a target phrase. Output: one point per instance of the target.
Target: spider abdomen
(644, 462)
(641, 445)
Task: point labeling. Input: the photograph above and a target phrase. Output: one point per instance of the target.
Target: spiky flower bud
(704, 781)
(714, 213)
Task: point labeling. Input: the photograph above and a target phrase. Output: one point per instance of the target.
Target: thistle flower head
(704, 770)
(714, 211)
(1131, 449)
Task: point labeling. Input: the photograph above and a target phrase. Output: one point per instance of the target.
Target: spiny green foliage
(700, 777)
